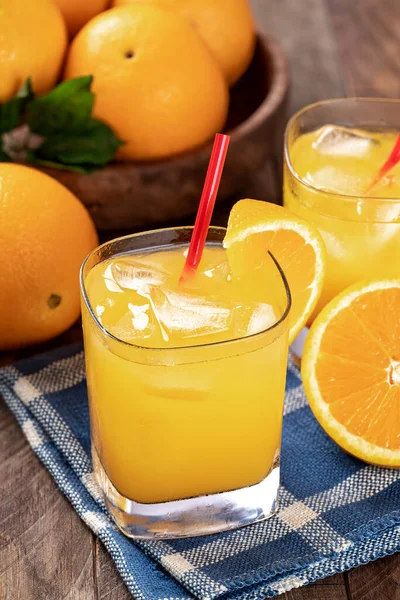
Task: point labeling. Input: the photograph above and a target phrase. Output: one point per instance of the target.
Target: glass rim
(343, 197)
(178, 349)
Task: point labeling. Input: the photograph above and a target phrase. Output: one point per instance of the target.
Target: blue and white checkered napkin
(335, 512)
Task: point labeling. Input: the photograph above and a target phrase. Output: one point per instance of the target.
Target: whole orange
(78, 12)
(155, 82)
(226, 26)
(33, 40)
(45, 233)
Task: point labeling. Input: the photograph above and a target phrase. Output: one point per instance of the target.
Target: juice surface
(138, 299)
(362, 235)
(192, 425)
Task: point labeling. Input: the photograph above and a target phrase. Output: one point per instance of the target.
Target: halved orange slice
(351, 371)
(256, 227)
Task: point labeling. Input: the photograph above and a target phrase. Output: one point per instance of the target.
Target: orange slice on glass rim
(256, 227)
(351, 371)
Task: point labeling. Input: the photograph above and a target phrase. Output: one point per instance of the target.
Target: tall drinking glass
(333, 150)
(185, 440)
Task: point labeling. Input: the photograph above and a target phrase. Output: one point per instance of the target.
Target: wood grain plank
(109, 585)
(368, 38)
(378, 580)
(317, 592)
(337, 580)
(304, 30)
(45, 549)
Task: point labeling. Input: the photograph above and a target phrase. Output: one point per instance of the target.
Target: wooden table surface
(335, 48)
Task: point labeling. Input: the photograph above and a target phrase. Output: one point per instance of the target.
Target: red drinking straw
(394, 158)
(206, 206)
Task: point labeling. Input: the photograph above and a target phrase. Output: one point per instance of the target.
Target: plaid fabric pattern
(335, 512)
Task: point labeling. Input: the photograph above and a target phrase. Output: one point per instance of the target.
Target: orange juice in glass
(333, 151)
(186, 384)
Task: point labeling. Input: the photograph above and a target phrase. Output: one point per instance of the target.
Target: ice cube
(216, 272)
(333, 140)
(130, 275)
(331, 179)
(188, 315)
(140, 319)
(220, 272)
(253, 318)
(130, 322)
(337, 248)
(109, 280)
(100, 310)
(262, 318)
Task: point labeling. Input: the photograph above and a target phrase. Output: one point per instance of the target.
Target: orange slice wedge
(256, 227)
(351, 371)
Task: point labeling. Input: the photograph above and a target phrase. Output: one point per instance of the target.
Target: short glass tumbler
(185, 441)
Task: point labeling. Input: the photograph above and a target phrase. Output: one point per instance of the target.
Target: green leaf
(64, 110)
(95, 145)
(82, 169)
(72, 139)
(11, 112)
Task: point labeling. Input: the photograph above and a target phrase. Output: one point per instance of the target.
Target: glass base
(194, 516)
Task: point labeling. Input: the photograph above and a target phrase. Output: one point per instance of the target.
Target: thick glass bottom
(193, 516)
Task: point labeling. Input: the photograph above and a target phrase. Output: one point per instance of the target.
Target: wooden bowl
(145, 195)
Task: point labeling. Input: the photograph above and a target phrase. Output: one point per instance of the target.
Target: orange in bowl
(156, 84)
(33, 40)
(78, 12)
(226, 27)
